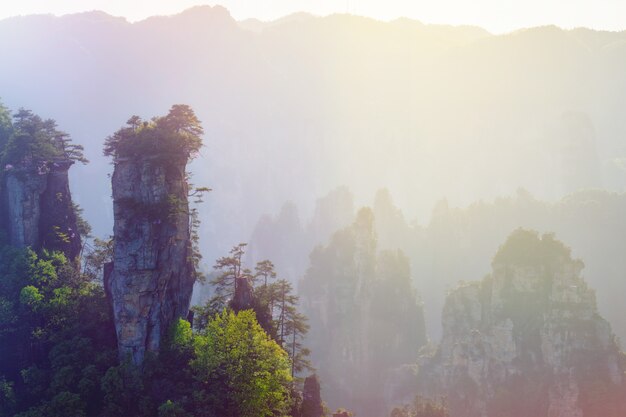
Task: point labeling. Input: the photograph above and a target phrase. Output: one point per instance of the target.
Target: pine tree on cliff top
(179, 132)
(29, 139)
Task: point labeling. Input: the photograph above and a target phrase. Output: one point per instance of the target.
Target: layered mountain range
(301, 105)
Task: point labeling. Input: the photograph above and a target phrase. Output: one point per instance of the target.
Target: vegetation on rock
(177, 133)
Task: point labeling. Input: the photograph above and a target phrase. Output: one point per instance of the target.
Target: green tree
(56, 335)
(194, 225)
(177, 133)
(122, 386)
(96, 255)
(264, 270)
(286, 307)
(231, 273)
(296, 329)
(37, 142)
(242, 372)
(6, 127)
(274, 303)
(291, 325)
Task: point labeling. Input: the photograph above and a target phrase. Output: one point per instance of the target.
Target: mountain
(527, 340)
(459, 241)
(367, 323)
(302, 105)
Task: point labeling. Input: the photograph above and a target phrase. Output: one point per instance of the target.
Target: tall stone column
(152, 276)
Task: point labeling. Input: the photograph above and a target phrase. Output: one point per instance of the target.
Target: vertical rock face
(526, 340)
(38, 207)
(366, 321)
(58, 224)
(153, 274)
(243, 299)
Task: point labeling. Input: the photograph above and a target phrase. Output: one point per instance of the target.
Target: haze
(497, 16)
(377, 162)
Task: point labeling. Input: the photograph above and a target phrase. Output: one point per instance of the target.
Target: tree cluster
(273, 301)
(27, 140)
(56, 336)
(58, 353)
(177, 133)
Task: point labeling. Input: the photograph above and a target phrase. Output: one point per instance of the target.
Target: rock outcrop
(152, 277)
(243, 298)
(311, 398)
(526, 341)
(38, 207)
(366, 321)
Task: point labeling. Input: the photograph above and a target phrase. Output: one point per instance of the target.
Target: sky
(497, 16)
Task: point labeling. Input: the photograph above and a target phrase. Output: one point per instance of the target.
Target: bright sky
(495, 15)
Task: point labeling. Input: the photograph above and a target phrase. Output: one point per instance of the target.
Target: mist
(429, 145)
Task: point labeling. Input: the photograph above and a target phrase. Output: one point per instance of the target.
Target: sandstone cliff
(38, 207)
(152, 276)
(526, 341)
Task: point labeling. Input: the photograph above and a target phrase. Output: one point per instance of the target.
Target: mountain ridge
(390, 106)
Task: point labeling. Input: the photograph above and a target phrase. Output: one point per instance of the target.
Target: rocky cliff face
(526, 341)
(366, 321)
(152, 277)
(38, 207)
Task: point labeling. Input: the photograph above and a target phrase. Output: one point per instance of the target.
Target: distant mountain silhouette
(295, 107)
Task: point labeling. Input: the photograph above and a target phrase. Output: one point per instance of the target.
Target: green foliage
(231, 272)
(232, 368)
(181, 334)
(291, 326)
(56, 339)
(84, 228)
(6, 127)
(58, 353)
(122, 386)
(96, 255)
(31, 297)
(264, 270)
(57, 345)
(33, 141)
(177, 133)
(275, 305)
(243, 372)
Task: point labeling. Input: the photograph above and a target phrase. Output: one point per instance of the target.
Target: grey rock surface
(152, 276)
(38, 208)
(527, 341)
